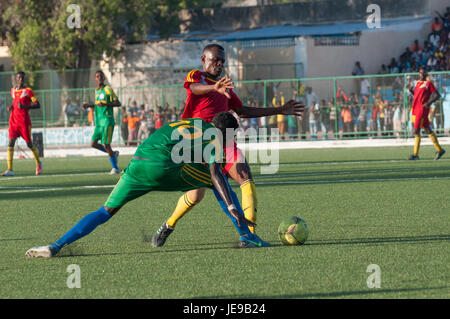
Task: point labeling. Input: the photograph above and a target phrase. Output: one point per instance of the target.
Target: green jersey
(180, 142)
(104, 116)
(174, 158)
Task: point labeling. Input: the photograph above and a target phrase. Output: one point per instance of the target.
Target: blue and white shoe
(41, 252)
(252, 241)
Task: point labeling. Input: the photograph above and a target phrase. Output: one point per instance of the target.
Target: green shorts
(103, 133)
(143, 176)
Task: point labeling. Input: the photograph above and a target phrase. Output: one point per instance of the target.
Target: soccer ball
(293, 231)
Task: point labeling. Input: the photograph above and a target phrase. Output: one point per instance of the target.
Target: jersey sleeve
(432, 87)
(192, 77)
(110, 92)
(235, 102)
(32, 95)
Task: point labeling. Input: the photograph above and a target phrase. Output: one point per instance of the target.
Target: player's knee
(196, 195)
(240, 172)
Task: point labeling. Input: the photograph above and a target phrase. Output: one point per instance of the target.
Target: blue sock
(113, 161)
(86, 225)
(102, 148)
(243, 229)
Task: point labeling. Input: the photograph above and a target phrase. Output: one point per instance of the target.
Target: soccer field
(363, 206)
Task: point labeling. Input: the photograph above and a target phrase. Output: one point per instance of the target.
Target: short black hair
(224, 120)
(21, 73)
(101, 72)
(213, 45)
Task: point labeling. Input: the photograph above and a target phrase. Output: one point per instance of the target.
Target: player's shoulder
(193, 74)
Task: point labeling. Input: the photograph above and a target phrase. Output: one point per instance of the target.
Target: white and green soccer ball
(293, 231)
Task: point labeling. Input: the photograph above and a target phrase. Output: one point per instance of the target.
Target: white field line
(257, 164)
(28, 189)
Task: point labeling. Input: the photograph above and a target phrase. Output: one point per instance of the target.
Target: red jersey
(20, 117)
(422, 93)
(207, 105)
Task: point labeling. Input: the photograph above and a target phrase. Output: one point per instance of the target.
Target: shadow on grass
(14, 239)
(77, 251)
(102, 191)
(337, 294)
(380, 240)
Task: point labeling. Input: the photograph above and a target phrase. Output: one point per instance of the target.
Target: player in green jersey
(180, 156)
(105, 100)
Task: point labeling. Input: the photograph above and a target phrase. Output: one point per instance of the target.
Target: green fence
(375, 106)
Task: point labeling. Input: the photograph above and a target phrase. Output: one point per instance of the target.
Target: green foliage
(38, 34)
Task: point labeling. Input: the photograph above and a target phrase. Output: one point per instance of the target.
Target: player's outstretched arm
(36, 105)
(290, 108)
(223, 188)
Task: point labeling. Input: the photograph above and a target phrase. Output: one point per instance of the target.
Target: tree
(38, 33)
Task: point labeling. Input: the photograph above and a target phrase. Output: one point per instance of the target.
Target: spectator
(333, 121)
(324, 118)
(357, 69)
(374, 118)
(132, 121)
(346, 121)
(397, 119)
(74, 113)
(143, 132)
(434, 38)
(362, 117)
(365, 87)
(158, 118)
(254, 121)
(416, 46)
(437, 25)
(124, 125)
(388, 118)
(258, 93)
(3, 114)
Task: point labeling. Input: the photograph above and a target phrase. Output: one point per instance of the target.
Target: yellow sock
(35, 152)
(249, 202)
(433, 138)
(9, 157)
(416, 145)
(184, 205)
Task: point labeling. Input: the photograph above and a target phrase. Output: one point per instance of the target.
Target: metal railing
(345, 107)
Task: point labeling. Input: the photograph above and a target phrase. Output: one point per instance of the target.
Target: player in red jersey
(207, 95)
(19, 122)
(425, 94)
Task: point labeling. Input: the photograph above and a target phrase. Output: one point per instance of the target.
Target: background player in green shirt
(156, 167)
(105, 100)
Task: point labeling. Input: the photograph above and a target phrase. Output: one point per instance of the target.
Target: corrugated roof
(412, 24)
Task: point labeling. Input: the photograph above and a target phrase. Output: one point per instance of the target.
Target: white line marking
(28, 189)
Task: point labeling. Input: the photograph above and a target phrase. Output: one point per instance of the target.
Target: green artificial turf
(363, 206)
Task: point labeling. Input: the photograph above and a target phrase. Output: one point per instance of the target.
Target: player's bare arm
(433, 98)
(112, 104)
(290, 108)
(220, 86)
(219, 182)
(36, 105)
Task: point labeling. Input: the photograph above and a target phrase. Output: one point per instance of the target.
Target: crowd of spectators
(370, 113)
(138, 123)
(433, 53)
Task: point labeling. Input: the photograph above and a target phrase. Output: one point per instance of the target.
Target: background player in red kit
(20, 123)
(207, 95)
(425, 94)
